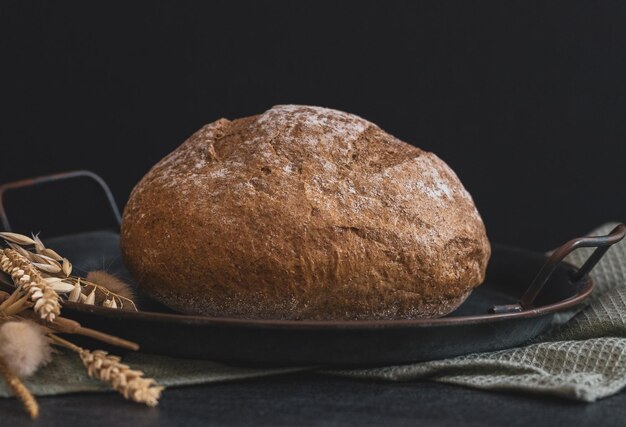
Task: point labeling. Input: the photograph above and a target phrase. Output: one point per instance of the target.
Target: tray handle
(6, 225)
(602, 243)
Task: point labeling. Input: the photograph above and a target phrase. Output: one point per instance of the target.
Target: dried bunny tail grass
(27, 278)
(24, 346)
(128, 382)
(19, 389)
(110, 282)
(113, 292)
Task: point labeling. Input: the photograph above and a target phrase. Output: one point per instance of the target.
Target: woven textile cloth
(583, 358)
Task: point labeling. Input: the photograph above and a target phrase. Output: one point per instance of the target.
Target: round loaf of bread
(303, 213)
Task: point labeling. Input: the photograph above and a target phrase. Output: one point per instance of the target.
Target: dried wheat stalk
(108, 368)
(28, 279)
(45, 299)
(39, 278)
(19, 389)
(56, 271)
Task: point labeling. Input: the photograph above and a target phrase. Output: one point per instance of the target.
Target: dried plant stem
(105, 367)
(10, 300)
(109, 339)
(19, 389)
(18, 306)
(65, 343)
(69, 326)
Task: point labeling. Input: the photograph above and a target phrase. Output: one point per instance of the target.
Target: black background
(525, 100)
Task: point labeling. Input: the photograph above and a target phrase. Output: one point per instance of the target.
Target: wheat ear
(26, 277)
(19, 389)
(128, 382)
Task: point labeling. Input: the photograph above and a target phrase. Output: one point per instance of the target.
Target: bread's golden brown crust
(303, 213)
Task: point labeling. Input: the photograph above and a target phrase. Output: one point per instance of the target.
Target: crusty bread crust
(303, 213)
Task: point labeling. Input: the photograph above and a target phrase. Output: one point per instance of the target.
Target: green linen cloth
(583, 359)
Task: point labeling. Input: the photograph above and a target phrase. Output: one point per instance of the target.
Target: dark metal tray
(503, 312)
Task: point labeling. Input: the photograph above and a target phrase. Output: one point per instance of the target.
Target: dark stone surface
(310, 400)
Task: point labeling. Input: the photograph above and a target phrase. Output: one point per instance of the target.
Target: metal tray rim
(581, 295)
